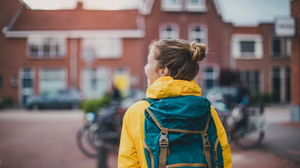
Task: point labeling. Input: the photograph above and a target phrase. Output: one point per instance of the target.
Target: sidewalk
(282, 137)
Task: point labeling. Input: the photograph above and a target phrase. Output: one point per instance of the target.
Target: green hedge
(265, 97)
(93, 105)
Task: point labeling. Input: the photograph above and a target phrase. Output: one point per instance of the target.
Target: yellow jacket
(131, 151)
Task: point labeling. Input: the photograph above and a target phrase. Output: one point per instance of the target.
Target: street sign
(88, 55)
(285, 27)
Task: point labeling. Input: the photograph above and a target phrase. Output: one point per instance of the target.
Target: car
(67, 98)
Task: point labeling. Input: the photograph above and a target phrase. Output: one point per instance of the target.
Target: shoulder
(134, 117)
(136, 109)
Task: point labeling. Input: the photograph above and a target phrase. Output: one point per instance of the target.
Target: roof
(76, 20)
(76, 23)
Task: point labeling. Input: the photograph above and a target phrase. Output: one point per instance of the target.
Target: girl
(172, 66)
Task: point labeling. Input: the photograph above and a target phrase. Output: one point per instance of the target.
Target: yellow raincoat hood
(168, 87)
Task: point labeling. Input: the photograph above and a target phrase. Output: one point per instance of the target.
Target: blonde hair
(180, 57)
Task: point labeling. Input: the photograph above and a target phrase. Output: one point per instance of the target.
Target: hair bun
(198, 51)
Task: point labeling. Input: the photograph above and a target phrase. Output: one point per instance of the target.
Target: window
(252, 79)
(52, 79)
(281, 47)
(169, 31)
(1, 81)
(276, 84)
(46, 47)
(27, 80)
(171, 5)
(96, 82)
(210, 76)
(104, 48)
(195, 5)
(197, 33)
(245, 46)
(288, 84)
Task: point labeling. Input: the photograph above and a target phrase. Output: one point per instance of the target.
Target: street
(46, 139)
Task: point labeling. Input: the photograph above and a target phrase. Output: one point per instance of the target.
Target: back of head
(179, 57)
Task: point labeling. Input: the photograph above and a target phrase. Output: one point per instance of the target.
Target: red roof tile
(76, 20)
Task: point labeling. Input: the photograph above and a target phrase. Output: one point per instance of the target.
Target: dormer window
(246, 46)
(183, 5)
(169, 31)
(171, 5)
(195, 5)
(43, 47)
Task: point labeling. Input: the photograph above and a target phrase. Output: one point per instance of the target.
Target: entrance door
(276, 90)
(27, 78)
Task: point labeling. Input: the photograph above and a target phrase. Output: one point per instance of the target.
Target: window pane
(172, 1)
(27, 83)
(1, 80)
(288, 46)
(276, 46)
(247, 46)
(33, 49)
(197, 29)
(52, 80)
(195, 2)
(169, 28)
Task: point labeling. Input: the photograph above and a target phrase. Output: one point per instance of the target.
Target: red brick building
(263, 60)
(44, 50)
(295, 63)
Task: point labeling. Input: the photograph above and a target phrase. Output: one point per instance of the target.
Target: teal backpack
(180, 132)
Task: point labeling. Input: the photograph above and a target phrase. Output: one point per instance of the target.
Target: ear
(164, 71)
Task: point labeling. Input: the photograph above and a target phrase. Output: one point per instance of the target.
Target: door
(27, 89)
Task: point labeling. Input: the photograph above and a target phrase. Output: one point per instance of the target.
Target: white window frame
(104, 48)
(101, 73)
(63, 77)
(169, 7)
(163, 34)
(215, 76)
(236, 46)
(22, 76)
(198, 7)
(202, 35)
(40, 41)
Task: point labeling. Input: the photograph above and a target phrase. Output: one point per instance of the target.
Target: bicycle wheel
(84, 142)
(250, 140)
(251, 133)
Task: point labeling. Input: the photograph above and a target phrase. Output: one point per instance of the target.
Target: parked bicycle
(244, 125)
(102, 130)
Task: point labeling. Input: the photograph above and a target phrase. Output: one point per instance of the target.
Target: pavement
(46, 139)
(282, 136)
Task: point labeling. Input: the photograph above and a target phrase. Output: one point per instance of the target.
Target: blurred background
(86, 59)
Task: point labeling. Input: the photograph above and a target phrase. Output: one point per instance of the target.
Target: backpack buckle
(206, 143)
(163, 140)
